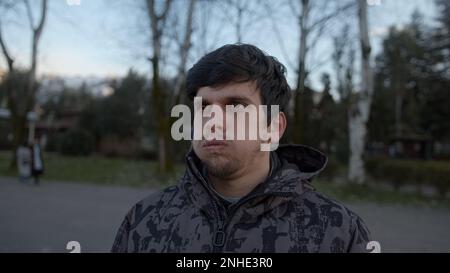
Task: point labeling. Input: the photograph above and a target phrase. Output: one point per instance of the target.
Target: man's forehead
(223, 93)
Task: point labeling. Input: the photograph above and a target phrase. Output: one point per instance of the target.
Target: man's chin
(217, 161)
(220, 166)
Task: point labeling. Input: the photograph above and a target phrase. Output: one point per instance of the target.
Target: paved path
(45, 218)
(407, 229)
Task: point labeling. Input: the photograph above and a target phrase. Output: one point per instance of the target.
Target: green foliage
(76, 142)
(122, 114)
(412, 81)
(332, 169)
(61, 102)
(327, 117)
(402, 172)
(435, 113)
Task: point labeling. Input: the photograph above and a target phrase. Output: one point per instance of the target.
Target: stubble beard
(224, 165)
(221, 166)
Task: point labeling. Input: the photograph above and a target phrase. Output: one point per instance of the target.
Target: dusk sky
(101, 38)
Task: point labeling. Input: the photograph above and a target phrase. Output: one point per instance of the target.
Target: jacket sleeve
(121, 241)
(360, 236)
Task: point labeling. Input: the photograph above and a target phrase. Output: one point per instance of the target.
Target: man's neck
(243, 181)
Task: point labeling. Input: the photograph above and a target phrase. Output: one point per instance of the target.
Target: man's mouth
(214, 144)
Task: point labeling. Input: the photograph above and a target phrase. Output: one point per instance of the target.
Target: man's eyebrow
(205, 101)
(239, 99)
(231, 99)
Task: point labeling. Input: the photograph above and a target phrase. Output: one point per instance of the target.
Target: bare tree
(37, 33)
(344, 68)
(5, 7)
(308, 25)
(360, 107)
(20, 104)
(5, 51)
(241, 15)
(301, 72)
(184, 48)
(239, 8)
(157, 26)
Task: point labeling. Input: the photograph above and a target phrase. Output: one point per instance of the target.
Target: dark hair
(241, 63)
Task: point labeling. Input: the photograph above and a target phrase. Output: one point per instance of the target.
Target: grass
(99, 170)
(143, 173)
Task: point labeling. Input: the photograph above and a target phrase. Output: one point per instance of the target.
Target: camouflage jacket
(283, 214)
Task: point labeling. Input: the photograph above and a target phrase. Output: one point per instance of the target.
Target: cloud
(377, 32)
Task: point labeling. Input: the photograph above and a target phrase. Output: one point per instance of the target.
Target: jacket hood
(303, 159)
(292, 169)
(295, 163)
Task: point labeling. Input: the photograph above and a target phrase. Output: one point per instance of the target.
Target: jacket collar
(292, 169)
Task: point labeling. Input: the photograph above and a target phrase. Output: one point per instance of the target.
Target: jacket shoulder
(318, 199)
(340, 220)
(156, 201)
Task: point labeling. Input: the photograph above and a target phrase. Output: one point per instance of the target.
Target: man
(234, 197)
(37, 161)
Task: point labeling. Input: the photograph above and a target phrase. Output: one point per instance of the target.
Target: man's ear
(283, 124)
(275, 131)
(278, 123)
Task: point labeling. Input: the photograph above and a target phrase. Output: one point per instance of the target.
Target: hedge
(406, 172)
(76, 142)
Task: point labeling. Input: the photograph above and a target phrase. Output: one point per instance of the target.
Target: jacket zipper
(220, 236)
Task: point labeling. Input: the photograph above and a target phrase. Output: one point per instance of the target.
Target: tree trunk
(300, 90)
(360, 108)
(162, 127)
(184, 51)
(19, 106)
(398, 87)
(239, 23)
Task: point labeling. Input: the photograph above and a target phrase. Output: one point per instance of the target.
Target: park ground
(85, 200)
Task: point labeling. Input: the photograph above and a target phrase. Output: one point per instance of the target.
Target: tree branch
(332, 15)
(167, 5)
(29, 14)
(278, 35)
(5, 51)
(40, 26)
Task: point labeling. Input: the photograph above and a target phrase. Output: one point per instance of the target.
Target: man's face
(223, 158)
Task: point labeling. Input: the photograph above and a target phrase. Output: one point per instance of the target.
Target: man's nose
(219, 124)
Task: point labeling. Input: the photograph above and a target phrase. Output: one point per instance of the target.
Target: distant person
(37, 162)
(23, 155)
(234, 197)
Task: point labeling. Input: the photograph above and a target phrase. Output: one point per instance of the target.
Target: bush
(76, 142)
(332, 169)
(400, 172)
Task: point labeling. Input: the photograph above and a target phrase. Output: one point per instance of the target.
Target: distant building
(411, 146)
